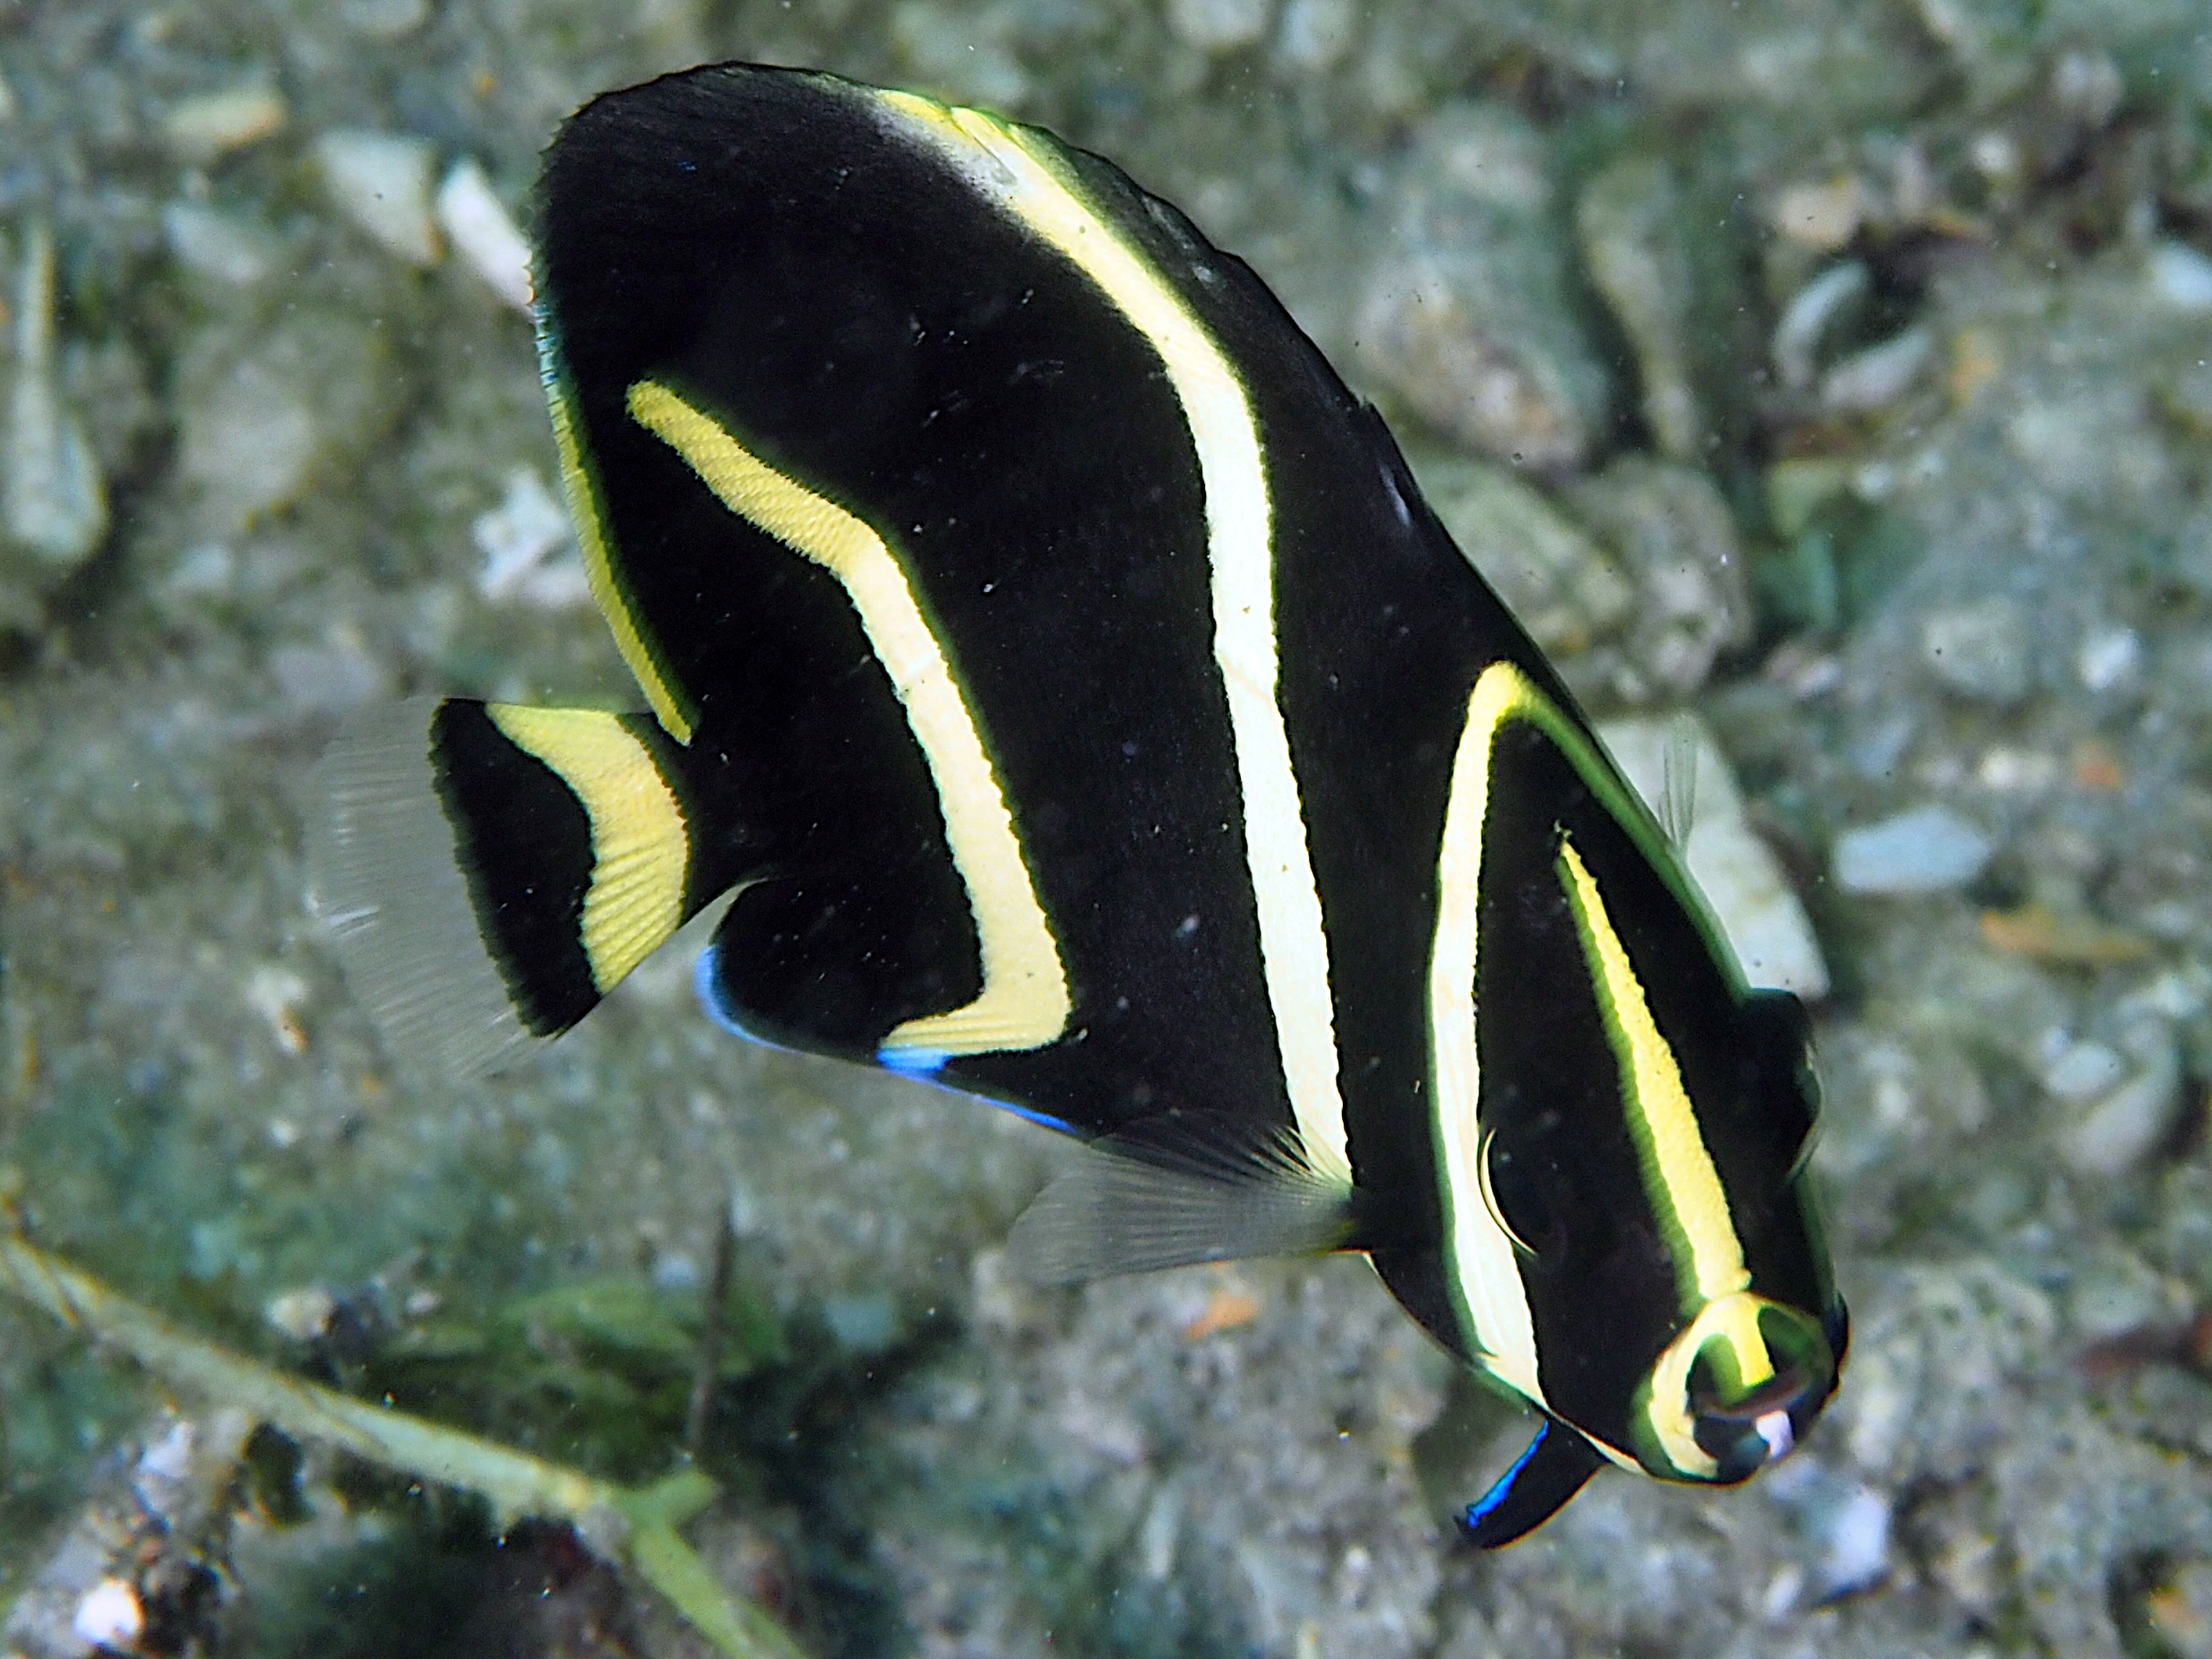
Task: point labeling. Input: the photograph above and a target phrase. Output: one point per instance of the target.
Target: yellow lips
(1740, 1374)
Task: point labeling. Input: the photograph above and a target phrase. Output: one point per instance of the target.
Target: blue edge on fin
(1543, 1478)
(923, 1064)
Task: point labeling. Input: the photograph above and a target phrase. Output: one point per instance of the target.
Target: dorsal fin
(1678, 788)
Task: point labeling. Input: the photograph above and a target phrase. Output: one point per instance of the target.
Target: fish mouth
(1734, 1391)
(1744, 1436)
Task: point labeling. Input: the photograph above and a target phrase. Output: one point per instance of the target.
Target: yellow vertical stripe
(669, 707)
(1010, 167)
(1483, 1265)
(640, 851)
(1678, 1169)
(1024, 1002)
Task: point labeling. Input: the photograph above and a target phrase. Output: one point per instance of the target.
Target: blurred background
(1834, 371)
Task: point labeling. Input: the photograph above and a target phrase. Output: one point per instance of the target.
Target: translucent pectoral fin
(1555, 1467)
(1170, 1191)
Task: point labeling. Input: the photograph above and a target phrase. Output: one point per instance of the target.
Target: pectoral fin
(1169, 1192)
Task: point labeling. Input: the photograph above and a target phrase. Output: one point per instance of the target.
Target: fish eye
(1514, 1198)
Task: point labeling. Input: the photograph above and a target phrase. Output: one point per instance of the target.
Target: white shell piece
(1765, 922)
(111, 1616)
(380, 181)
(477, 223)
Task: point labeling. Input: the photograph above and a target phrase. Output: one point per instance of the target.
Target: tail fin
(491, 871)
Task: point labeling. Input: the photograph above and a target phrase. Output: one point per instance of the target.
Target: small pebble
(1996, 157)
(485, 233)
(2180, 1609)
(2132, 1121)
(301, 1315)
(866, 1322)
(110, 1617)
(1875, 378)
(2087, 86)
(276, 994)
(1158, 1533)
(1857, 1536)
(1314, 35)
(211, 243)
(679, 1270)
(1930, 850)
(2082, 1071)
(2180, 276)
(1465, 318)
(204, 571)
(2016, 772)
(2108, 657)
(1980, 649)
(1846, 1520)
(1444, 362)
(53, 500)
(1219, 25)
(1799, 486)
(1812, 312)
(206, 128)
(380, 181)
(516, 539)
(1822, 217)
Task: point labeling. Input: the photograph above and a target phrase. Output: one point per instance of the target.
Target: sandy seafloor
(1835, 369)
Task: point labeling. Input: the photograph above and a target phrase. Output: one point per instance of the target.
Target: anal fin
(491, 871)
(1173, 1190)
(1543, 1478)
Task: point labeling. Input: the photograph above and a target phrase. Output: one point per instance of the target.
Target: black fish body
(1063, 668)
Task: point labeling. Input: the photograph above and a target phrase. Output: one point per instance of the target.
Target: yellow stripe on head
(1025, 1001)
(1684, 1187)
(641, 849)
(1019, 171)
(1486, 1271)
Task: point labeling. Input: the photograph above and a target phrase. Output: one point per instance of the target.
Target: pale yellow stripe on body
(1024, 1002)
(1678, 1169)
(583, 509)
(1484, 1265)
(1006, 165)
(641, 850)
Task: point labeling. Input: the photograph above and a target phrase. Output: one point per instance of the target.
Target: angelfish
(1064, 671)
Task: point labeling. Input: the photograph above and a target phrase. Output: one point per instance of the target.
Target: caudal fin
(491, 871)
